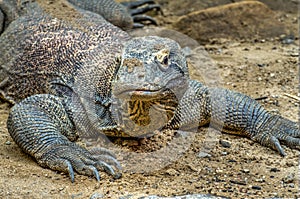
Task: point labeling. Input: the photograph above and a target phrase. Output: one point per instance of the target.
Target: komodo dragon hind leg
(137, 8)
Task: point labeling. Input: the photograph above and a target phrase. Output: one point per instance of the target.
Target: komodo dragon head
(149, 84)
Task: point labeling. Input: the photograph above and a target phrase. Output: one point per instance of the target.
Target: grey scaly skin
(89, 76)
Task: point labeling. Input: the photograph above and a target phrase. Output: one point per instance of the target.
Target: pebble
(225, 144)
(256, 187)
(296, 54)
(289, 178)
(97, 186)
(260, 180)
(261, 65)
(238, 182)
(246, 171)
(275, 194)
(287, 39)
(129, 197)
(292, 185)
(203, 155)
(97, 196)
(8, 143)
(172, 172)
(193, 168)
(274, 169)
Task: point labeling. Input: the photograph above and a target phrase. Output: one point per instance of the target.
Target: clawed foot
(279, 130)
(71, 157)
(137, 8)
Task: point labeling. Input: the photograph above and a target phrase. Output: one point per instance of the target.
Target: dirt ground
(264, 68)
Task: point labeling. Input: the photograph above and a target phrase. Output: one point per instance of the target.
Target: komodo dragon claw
(137, 8)
(69, 158)
(278, 129)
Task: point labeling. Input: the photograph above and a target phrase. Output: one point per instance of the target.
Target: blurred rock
(291, 6)
(242, 20)
(183, 7)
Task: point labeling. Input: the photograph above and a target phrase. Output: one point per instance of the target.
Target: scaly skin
(88, 76)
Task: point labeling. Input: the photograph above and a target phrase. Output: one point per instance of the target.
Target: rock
(97, 196)
(225, 144)
(261, 65)
(203, 155)
(243, 20)
(283, 5)
(8, 143)
(274, 169)
(183, 7)
(295, 54)
(239, 182)
(246, 171)
(127, 197)
(172, 172)
(289, 178)
(287, 39)
(292, 185)
(256, 187)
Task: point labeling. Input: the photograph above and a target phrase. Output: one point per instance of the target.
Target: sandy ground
(261, 68)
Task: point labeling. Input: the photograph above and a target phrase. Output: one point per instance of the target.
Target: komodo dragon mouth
(145, 111)
(147, 92)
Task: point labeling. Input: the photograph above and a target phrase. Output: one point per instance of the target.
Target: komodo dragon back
(39, 50)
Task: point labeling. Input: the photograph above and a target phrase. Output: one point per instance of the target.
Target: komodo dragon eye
(162, 57)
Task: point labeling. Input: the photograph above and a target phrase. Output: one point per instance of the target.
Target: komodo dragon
(75, 75)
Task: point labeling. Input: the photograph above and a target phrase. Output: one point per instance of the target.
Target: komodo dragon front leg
(235, 113)
(42, 128)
